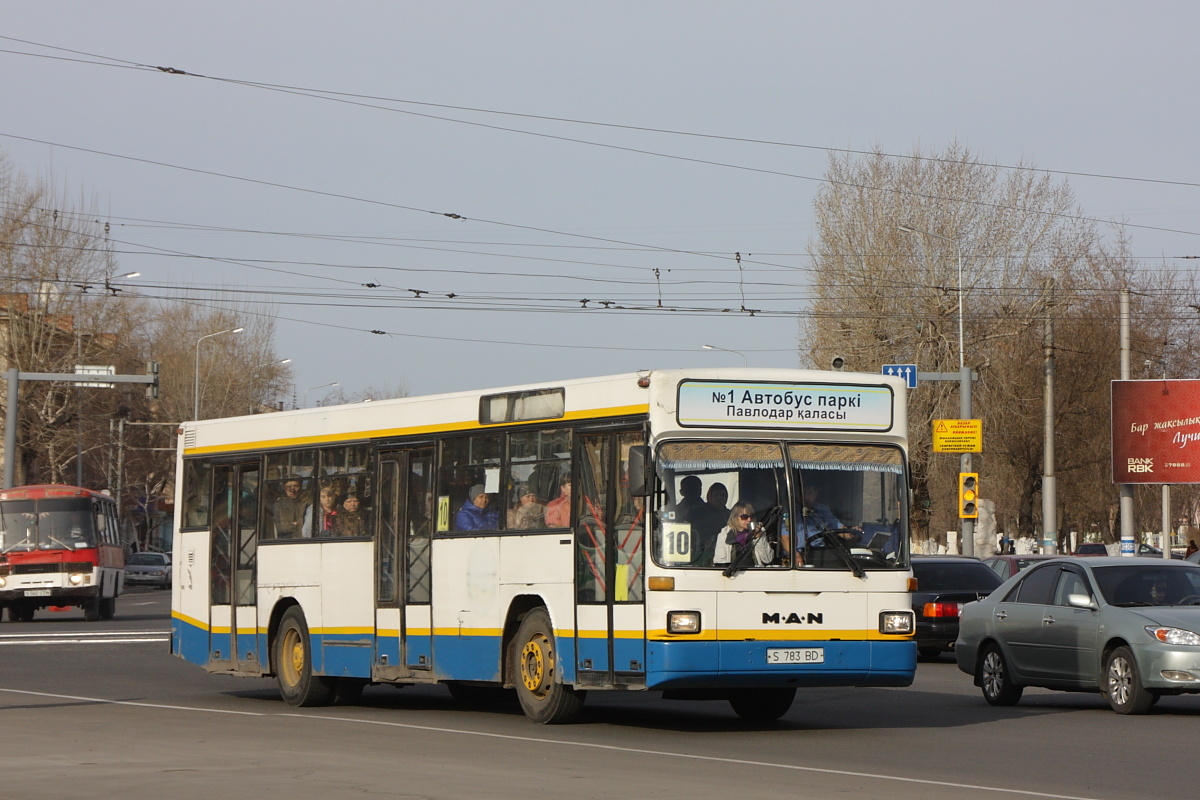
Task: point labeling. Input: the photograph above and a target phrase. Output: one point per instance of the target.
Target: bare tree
(1014, 249)
(55, 264)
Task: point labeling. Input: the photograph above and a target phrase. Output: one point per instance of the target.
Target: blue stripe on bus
(674, 665)
(668, 665)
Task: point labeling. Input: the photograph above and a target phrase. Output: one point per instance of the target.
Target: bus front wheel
(293, 664)
(543, 696)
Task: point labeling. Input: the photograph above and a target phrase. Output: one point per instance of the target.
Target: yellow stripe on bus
(775, 636)
(299, 441)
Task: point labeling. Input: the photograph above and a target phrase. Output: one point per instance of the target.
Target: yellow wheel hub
(293, 657)
(535, 664)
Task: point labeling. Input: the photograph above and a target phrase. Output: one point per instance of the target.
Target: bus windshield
(61, 523)
(767, 505)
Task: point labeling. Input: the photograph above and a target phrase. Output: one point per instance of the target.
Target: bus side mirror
(639, 457)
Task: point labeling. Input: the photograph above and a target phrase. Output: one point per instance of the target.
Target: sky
(434, 197)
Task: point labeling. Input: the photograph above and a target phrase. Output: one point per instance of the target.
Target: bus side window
(197, 487)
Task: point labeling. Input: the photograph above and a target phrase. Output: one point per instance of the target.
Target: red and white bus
(59, 546)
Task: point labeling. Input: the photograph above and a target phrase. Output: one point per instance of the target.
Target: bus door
(403, 621)
(233, 568)
(610, 546)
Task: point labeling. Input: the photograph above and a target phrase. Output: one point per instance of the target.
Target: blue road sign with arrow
(906, 371)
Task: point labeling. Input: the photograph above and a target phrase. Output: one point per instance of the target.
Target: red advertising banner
(1156, 431)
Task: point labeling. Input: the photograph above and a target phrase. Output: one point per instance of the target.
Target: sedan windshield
(147, 560)
(1149, 585)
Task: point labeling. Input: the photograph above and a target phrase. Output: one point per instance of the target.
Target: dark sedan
(1126, 627)
(944, 584)
(1009, 565)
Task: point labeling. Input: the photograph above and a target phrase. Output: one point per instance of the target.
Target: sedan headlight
(1173, 635)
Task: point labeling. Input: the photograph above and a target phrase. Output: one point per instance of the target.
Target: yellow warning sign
(958, 436)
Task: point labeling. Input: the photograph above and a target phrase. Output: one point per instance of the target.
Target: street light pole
(322, 386)
(745, 363)
(196, 405)
(278, 363)
(964, 382)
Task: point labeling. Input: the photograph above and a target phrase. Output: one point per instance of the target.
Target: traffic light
(152, 388)
(968, 495)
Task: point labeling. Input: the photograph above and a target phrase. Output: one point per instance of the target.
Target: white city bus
(733, 534)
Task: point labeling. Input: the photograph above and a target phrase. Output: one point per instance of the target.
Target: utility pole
(1128, 547)
(1049, 492)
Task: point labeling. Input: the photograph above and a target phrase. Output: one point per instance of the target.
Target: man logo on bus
(793, 619)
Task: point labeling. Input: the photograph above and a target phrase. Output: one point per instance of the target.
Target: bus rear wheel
(293, 664)
(544, 698)
(761, 705)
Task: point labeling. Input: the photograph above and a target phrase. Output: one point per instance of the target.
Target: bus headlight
(76, 578)
(683, 622)
(896, 623)
(3, 582)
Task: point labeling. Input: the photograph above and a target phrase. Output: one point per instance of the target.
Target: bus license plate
(796, 655)
(37, 592)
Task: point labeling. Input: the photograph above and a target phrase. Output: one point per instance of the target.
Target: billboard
(1156, 431)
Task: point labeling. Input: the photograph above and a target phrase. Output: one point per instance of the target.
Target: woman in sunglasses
(739, 537)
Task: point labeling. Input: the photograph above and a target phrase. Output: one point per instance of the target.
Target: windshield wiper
(26, 541)
(843, 552)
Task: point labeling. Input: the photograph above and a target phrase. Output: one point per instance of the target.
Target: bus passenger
(351, 519)
(289, 510)
(475, 514)
(689, 498)
(528, 513)
(739, 537)
(707, 521)
(558, 510)
(326, 515)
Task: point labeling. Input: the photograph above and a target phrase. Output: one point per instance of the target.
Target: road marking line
(81, 641)
(696, 757)
(588, 745)
(83, 637)
(103, 701)
(85, 634)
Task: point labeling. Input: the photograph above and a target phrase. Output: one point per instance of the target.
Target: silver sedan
(1128, 628)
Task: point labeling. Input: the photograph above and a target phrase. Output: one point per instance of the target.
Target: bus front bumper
(682, 664)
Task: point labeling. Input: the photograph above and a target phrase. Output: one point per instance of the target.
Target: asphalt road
(103, 709)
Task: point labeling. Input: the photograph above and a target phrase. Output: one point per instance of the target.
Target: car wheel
(929, 653)
(1123, 684)
(994, 678)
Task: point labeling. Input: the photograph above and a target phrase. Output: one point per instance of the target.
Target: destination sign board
(799, 406)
